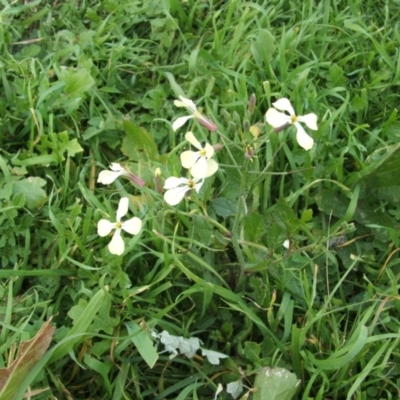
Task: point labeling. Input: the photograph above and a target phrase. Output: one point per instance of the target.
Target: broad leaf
(31, 189)
(143, 343)
(235, 388)
(138, 143)
(275, 384)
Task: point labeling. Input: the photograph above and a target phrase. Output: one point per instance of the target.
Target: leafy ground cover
(277, 278)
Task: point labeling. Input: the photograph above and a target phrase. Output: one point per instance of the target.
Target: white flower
(278, 120)
(132, 226)
(198, 162)
(187, 103)
(106, 177)
(286, 244)
(178, 187)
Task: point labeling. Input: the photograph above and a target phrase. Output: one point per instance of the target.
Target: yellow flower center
(191, 184)
(202, 153)
(118, 225)
(293, 118)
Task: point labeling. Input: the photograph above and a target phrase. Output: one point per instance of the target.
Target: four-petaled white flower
(187, 103)
(132, 226)
(178, 187)
(106, 177)
(198, 162)
(278, 120)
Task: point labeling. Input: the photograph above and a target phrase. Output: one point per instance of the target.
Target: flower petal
(212, 168)
(172, 182)
(106, 177)
(117, 245)
(199, 169)
(104, 227)
(303, 139)
(284, 105)
(116, 167)
(122, 208)
(276, 118)
(180, 122)
(184, 102)
(189, 158)
(192, 140)
(175, 195)
(132, 226)
(209, 150)
(198, 185)
(310, 120)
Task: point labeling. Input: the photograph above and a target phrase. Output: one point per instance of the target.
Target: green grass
(89, 83)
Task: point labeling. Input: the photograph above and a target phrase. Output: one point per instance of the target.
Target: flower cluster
(199, 163)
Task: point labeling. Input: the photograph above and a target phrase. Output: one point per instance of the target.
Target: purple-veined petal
(117, 245)
(276, 118)
(104, 227)
(189, 158)
(193, 141)
(310, 120)
(173, 182)
(122, 208)
(132, 226)
(180, 122)
(303, 139)
(284, 105)
(175, 195)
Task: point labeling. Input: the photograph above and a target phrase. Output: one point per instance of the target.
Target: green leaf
(143, 343)
(224, 207)
(81, 326)
(254, 227)
(252, 352)
(275, 384)
(31, 189)
(235, 388)
(77, 82)
(138, 143)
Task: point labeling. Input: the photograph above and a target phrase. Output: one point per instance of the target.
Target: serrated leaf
(29, 354)
(252, 352)
(138, 143)
(235, 388)
(254, 227)
(275, 384)
(31, 189)
(213, 356)
(224, 207)
(77, 81)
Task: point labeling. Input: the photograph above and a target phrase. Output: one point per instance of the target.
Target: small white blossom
(279, 120)
(132, 226)
(116, 170)
(178, 187)
(189, 105)
(198, 162)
